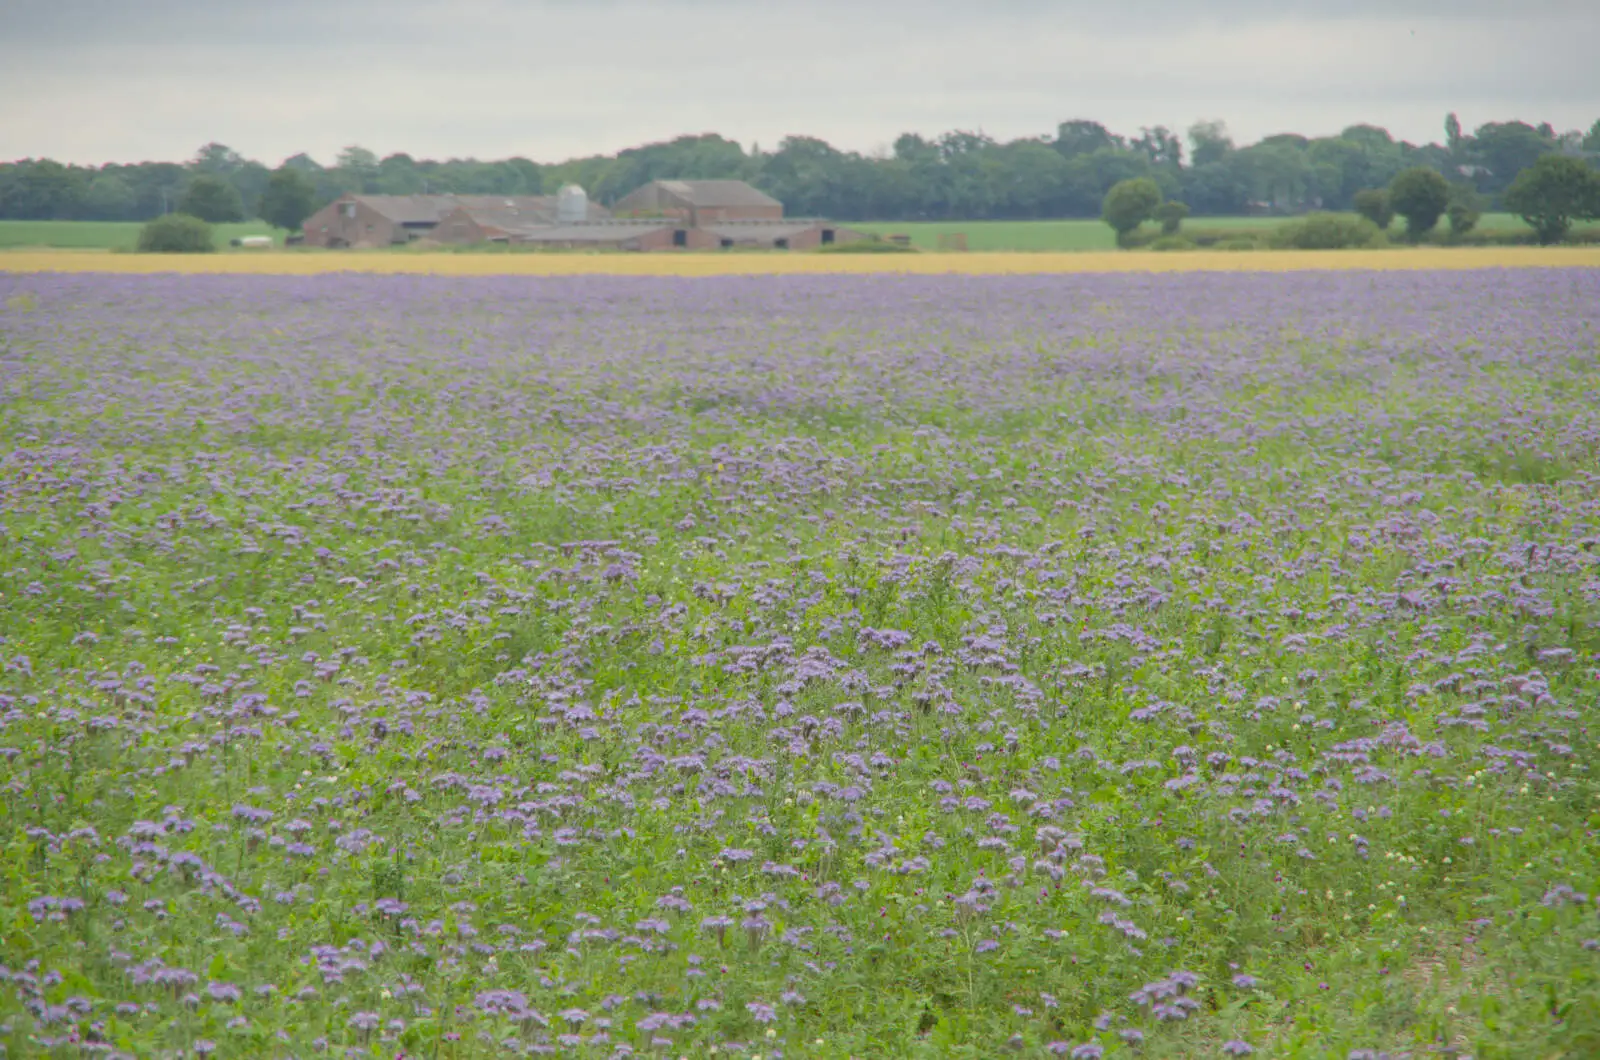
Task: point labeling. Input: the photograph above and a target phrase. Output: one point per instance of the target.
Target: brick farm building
(661, 215)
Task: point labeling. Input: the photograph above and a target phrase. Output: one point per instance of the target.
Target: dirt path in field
(549, 264)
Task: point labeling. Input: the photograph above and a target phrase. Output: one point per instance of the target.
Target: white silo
(572, 204)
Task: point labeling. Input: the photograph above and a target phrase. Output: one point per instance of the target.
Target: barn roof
(429, 209)
(718, 193)
(408, 209)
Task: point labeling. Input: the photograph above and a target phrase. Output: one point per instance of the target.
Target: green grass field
(1081, 234)
(107, 235)
(980, 235)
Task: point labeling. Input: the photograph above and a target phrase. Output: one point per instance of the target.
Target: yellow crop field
(579, 264)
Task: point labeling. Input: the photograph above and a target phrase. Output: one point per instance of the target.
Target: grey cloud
(91, 80)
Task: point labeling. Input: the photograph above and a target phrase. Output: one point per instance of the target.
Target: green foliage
(109, 198)
(211, 199)
(176, 233)
(1172, 243)
(31, 190)
(1504, 149)
(1230, 238)
(1552, 193)
(1328, 231)
(361, 165)
(1209, 142)
(960, 175)
(1466, 207)
(290, 198)
(1129, 204)
(1373, 204)
(1420, 195)
(707, 156)
(1171, 214)
(105, 235)
(1083, 137)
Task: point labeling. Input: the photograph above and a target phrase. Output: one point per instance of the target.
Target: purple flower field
(1093, 666)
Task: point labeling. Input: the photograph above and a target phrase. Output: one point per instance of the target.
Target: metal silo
(572, 204)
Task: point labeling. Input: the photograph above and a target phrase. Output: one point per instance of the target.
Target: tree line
(957, 176)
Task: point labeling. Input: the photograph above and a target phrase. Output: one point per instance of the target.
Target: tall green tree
(1420, 195)
(1503, 149)
(216, 160)
(1552, 193)
(250, 181)
(399, 174)
(211, 199)
(289, 199)
(1161, 146)
(359, 168)
(109, 198)
(41, 190)
(1341, 170)
(1277, 174)
(1081, 137)
(1216, 188)
(1209, 142)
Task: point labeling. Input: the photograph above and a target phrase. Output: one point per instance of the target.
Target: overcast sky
(125, 80)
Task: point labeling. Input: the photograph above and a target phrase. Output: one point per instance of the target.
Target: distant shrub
(1171, 215)
(1420, 195)
(1373, 204)
(1465, 207)
(1172, 243)
(1129, 204)
(176, 233)
(1213, 237)
(867, 246)
(1499, 237)
(1327, 231)
(1237, 244)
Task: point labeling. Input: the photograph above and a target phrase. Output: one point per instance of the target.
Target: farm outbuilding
(617, 235)
(498, 219)
(662, 215)
(386, 220)
(372, 220)
(796, 233)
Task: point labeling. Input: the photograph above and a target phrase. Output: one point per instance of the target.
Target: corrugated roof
(409, 209)
(429, 209)
(718, 193)
(514, 212)
(508, 202)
